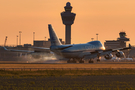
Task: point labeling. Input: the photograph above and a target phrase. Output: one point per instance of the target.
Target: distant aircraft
(78, 52)
(82, 52)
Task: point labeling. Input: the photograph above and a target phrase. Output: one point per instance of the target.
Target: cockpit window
(95, 43)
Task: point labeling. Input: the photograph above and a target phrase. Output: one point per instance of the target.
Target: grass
(111, 79)
(108, 79)
(67, 83)
(68, 72)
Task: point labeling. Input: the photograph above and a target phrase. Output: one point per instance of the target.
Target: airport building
(119, 43)
(44, 43)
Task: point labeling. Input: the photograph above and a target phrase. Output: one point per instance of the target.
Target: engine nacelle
(120, 54)
(108, 56)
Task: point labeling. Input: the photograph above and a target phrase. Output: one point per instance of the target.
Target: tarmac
(62, 64)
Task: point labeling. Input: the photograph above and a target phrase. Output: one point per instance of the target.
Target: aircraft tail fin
(53, 37)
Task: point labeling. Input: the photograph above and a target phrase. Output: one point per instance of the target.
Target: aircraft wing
(37, 49)
(103, 52)
(114, 50)
(40, 48)
(15, 50)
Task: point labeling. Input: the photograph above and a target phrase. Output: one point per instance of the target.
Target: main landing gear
(75, 60)
(98, 55)
(98, 60)
(91, 61)
(81, 61)
(72, 61)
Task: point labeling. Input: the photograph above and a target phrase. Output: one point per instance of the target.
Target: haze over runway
(105, 17)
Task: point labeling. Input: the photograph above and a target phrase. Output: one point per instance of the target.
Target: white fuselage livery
(78, 50)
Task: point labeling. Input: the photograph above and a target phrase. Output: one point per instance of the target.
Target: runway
(98, 65)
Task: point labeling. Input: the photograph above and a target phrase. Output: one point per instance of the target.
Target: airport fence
(40, 69)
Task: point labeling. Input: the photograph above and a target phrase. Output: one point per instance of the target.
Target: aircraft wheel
(69, 61)
(98, 60)
(74, 61)
(91, 61)
(81, 61)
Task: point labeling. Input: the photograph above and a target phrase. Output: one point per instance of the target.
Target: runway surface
(67, 65)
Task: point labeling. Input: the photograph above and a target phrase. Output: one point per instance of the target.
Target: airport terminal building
(44, 43)
(119, 43)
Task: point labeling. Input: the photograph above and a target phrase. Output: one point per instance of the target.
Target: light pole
(45, 41)
(33, 37)
(20, 37)
(5, 41)
(97, 36)
(92, 39)
(17, 43)
(17, 40)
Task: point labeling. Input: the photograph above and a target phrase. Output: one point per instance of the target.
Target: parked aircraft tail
(53, 37)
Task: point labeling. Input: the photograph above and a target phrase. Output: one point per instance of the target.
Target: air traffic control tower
(68, 20)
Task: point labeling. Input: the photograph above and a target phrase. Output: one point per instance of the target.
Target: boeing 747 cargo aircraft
(82, 52)
(78, 52)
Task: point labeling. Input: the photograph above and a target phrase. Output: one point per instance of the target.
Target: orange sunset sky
(105, 17)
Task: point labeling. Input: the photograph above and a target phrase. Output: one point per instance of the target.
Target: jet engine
(108, 56)
(120, 54)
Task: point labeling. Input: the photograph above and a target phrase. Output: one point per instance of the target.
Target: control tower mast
(68, 20)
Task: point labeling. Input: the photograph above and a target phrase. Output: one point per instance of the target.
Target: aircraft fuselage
(78, 50)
